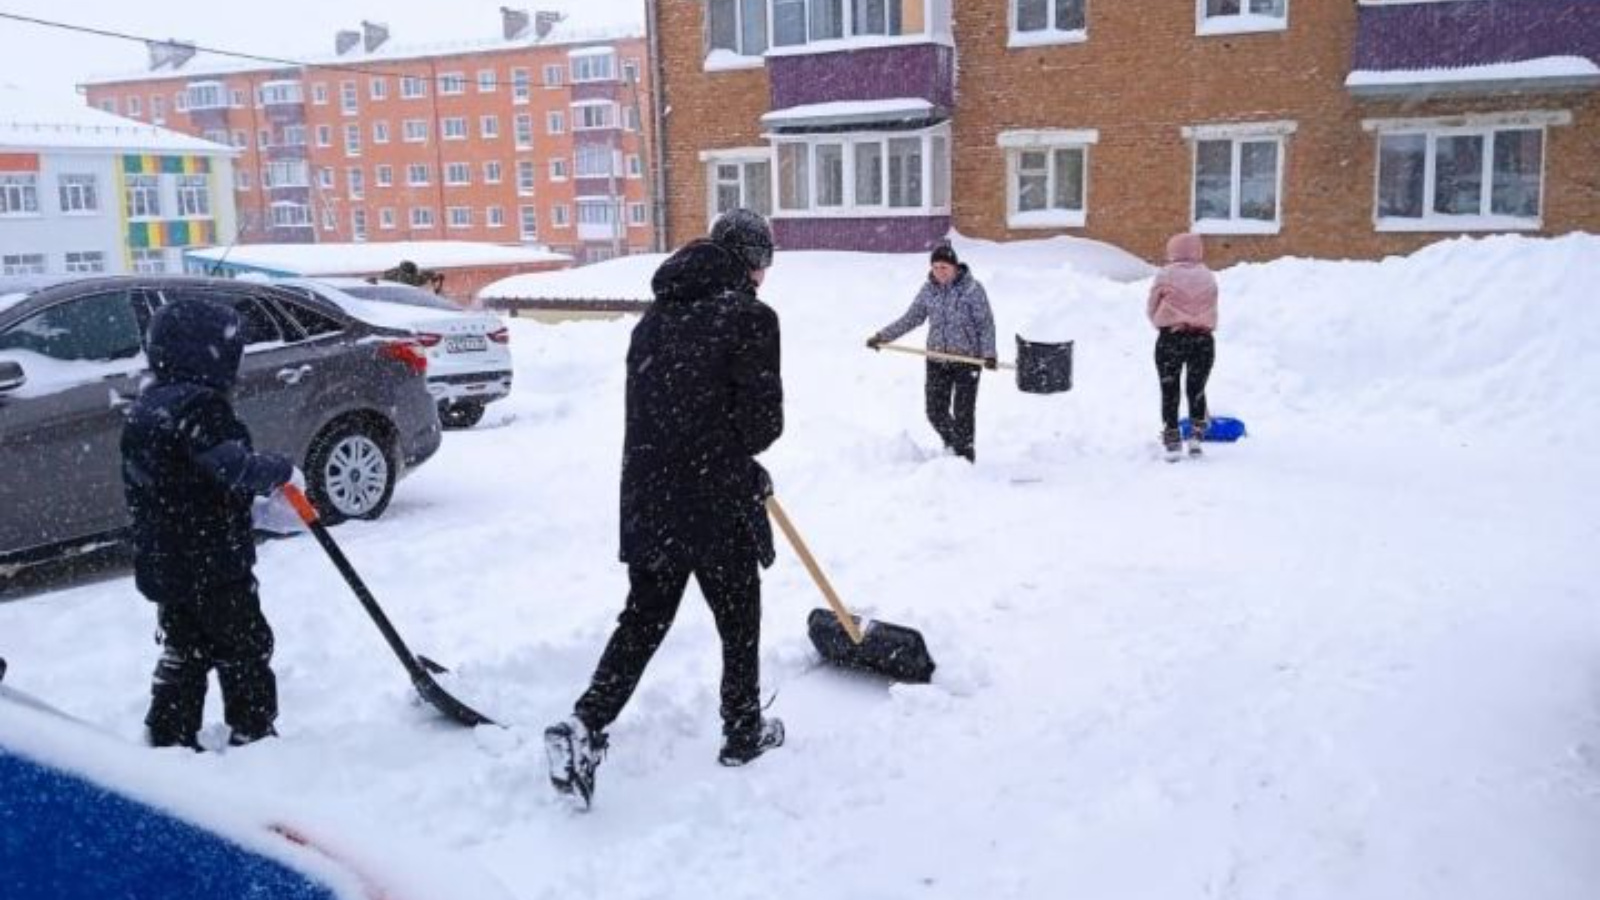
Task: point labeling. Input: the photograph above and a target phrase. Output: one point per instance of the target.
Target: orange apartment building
(1330, 128)
(539, 136)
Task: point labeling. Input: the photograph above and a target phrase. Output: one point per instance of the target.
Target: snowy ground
(1355, 655)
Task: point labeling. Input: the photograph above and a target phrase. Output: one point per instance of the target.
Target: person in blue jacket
(190, 474)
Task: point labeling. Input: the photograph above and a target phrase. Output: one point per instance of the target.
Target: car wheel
(461, 415)
(350, 472)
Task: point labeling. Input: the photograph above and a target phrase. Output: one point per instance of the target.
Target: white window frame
(413, 87)
(594, 161)
(383, 176)
(492, 171)
(358, 225)
(489, 127)
(148, 260)
(143, 197)
(1484, 125)
(560, 216)
(555, 122)
(324, 135)
(522, 131)
(378, 88)
(23, 264)
(453, 128)
(319, 93)
(386, 218)
(457, 174)
(488, 81)
(494, 217)
(527, 175)
(1051, 34)
(589, 66)
(633, 166)
(19, 194)
(528, 223)
(936, 19)
(560, 170)
(741, 157)
(352, 139)
(414, 131)
(638, 215)
(78, 193)
(521, 86)
(193, 194)
(413, 170)
(581, 116)
(1242, 22)
(849, 208)
(84, 262)
(555, 75)
(458, 217)
(452, 84)
(422, 217)
(355, 181)
(289, 214)
(349, 98)
(1238, 134)
(1047, 140)
(380, 132)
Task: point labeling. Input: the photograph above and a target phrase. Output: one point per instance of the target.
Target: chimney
(373, 34)
(344, 41)
(513, 22)
(543, 22)
(169, 53)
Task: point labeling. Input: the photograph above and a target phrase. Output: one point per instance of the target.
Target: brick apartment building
(539, 135)
(1324, 128)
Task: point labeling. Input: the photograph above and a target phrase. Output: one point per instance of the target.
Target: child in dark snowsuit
(190, 474)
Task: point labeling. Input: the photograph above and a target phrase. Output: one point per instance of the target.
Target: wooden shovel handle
(843, 615)
(936, 354)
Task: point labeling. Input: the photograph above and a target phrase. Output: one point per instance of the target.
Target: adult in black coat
(189, 473)
(704, 397)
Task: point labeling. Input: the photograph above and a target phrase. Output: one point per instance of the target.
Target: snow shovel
(1041, 368)
(420, 668)
(843, 639)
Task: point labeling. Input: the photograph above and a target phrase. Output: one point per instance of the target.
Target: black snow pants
(952, 397)
(732, 588)
(1176, 351)
(223, 629)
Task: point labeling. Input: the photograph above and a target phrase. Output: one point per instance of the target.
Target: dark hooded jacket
(704, 397)
(188, 469)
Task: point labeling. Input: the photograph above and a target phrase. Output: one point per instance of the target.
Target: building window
(491, 172)
(1046, 21)
(386, 218)
(635, 166)
(287, 214)
(235, 139)
(286, 173)
(263, 138)
(637, 215)
(454, 128)
(630, 71)
(143, 196)
(458, 173)
(147, 261)
(1046, 177)
(555, 123)
(417, 174)
(134, 112)
(1238, 177)
(275, 92)
(560, 216)
(527, 223)
(1234, 16)
(486, 81)
(413, 88)
(78, 193)
(109, 104)
(352, 139)
(599, 214)
(378, 88)
(554, 76)
(594, 114)
(525, 176)
(83, 262)
(194, 196)
(590, 66)
(236, 98)
(459, 216)
(380, 132)
(1450, 179)
(630, 118)
(421, 217)
(206, 95)
(324, 177)
(494, 216)
(324, 135)
(158, 109)
(739, 183)
(294, 135)
(737, 26)
(22, 264)
(348, 98)
(558, 169)
(594, 162)
(414, 131)
(355, 182)
(383, 175)
(319, 94)
(489, 127)
(846, 173)
(451, 83)
(523, 130)
(358, 225)
(520, 83)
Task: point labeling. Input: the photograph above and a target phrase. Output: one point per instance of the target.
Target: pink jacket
(1184, 294)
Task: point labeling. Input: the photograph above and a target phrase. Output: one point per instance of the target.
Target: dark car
(346, 399)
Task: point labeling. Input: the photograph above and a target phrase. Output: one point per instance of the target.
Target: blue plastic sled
(1221, 429)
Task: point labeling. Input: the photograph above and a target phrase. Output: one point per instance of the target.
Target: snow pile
(1351, 656)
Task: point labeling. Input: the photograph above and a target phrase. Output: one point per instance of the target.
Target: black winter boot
(739, 749)
(574, 753)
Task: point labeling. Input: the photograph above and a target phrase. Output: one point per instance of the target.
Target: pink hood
(1184, 293)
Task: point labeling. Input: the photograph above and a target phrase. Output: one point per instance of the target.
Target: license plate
(468, 344)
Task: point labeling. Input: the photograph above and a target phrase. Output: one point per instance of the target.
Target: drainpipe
(658, 173)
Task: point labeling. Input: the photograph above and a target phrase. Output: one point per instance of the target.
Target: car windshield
(399, 293)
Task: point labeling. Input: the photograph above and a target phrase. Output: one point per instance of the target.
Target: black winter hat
(746, 233)
(944, 253)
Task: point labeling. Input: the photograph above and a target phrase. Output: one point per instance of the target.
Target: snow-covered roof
(1546, 72)
(203, 63)
(344, 259)
(847, 112)
(30, 121)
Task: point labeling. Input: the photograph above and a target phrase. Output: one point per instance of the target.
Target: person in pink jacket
(1183, 308)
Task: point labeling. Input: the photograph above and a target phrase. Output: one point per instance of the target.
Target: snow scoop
(420, 668)
(1041, 368)
(843, 639)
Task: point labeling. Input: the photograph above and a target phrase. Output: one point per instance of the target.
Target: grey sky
(52, 61)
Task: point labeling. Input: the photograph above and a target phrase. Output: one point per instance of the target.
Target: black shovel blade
(892, 650)
(442, 700)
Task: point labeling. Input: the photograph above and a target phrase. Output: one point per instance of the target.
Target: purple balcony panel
(924, 71)
(1474, 32)
(598, 90)
(597, 187)
(900, 234)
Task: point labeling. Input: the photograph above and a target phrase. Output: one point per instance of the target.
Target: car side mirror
(11, 376)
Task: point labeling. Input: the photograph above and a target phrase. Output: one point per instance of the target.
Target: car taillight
(426, 339)
(407, 352)
(500, 336)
